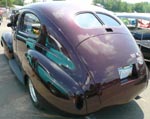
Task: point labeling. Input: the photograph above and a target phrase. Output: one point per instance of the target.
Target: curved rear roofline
(62, 13)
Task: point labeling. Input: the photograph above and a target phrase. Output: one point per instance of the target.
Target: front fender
(6, 39)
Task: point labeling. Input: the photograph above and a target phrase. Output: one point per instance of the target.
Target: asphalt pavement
(15, 102)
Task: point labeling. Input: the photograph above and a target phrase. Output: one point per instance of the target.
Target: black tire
(33, 94)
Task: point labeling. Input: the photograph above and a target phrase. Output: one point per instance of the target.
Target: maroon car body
(105, 66)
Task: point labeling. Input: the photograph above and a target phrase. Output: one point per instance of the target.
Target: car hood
(103, 55)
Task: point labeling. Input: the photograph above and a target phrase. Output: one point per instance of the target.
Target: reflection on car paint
(48, 79)
(30, 43)
(60, 59)
(55, 55)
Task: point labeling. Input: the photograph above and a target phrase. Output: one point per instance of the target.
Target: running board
(15, 68)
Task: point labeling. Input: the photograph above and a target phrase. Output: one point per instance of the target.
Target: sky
(136, 1)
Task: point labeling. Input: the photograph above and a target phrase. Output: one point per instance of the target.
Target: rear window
(87, 20)
(108, 20)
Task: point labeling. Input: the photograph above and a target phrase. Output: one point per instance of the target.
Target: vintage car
(79, 59)
(139, 25)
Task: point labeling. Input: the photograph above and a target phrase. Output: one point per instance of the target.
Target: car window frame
(108, 16)
(20, 25)
(96, 17)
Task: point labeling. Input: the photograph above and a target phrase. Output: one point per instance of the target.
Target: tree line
(120, 6)
(9, 3)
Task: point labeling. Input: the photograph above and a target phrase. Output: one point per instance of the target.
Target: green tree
(6, 3)
(33, 1)
(10, 3)
(119, 6)
(138, 7)
(2, 3)
(18, 2)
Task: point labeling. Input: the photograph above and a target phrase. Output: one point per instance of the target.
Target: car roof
(62, 13)
(71, 7)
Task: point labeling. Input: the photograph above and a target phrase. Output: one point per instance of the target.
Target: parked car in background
(78, 58)
(1, 15)
(139, 25)
(3, 10)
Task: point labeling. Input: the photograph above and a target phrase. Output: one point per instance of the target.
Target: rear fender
(52, 75)
(49, 77)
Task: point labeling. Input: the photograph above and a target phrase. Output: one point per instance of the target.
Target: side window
(87, 20)
(31, 24)
(108, 20)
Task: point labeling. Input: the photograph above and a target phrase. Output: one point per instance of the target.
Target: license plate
(125, 72)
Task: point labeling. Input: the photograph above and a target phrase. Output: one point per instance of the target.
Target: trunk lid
(114, 63)
(104, 54)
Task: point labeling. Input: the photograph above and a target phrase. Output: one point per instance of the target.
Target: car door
(27, 34)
